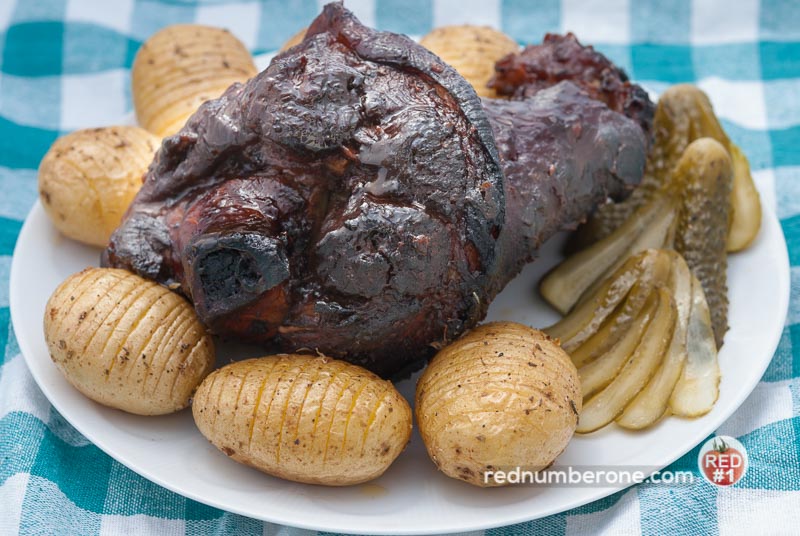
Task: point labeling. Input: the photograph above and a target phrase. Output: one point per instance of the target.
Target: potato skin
(180, 67)
(503, 395)
(89, 177)
(472, 51)
(304, 418)
(126, 342)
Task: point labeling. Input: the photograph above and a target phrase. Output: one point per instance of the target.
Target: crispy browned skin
(562, 57)
(350, 197)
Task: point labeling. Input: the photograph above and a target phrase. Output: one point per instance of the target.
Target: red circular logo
(723, 460)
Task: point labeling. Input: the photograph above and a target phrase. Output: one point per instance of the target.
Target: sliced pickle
(702, 180)
(658, 235)
(606, 405)
(652, 401)
(684, 114)
(697, 389)
(582, 273)
(615, 327)
(745, 203)
(600, 372)
(648, 267)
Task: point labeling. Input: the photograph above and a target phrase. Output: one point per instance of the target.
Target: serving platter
(411, 497)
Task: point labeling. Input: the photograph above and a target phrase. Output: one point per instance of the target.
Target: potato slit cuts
(179, 68)
(131, 291)
(334, 415)
(280, 367)
(502, 396)
(289, 390)
(157, 296)
(283, 436)
(197, 352)
(257, 403)
(331, 381)
(311, 386)
(151, 362)
(472, 51)
(167, 323)
(115, 317)
(350, 414)
(372, 418)
(89, 177)
(164, 365)
(83, 281)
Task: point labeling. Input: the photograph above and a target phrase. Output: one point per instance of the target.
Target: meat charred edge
(358, 198)
(437, 261)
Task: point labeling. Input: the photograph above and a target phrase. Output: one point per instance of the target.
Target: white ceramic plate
(411, 497)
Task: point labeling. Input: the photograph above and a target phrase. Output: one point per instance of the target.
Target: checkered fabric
(64, 64)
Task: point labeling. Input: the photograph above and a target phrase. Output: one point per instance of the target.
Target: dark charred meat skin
(562, 153)
(350, 198)
(562, 57)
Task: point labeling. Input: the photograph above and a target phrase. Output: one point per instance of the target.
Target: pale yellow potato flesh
(126, 342)
(179, 68)
(304, 418)
(472, 51)
(697, 389)
(503, 395)
(88, 178)
(652, 401)
(606, 405)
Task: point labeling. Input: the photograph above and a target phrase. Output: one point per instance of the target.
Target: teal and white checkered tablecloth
(64, 64)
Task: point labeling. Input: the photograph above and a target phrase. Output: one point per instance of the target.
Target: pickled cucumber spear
(691, 216)
(684, 114)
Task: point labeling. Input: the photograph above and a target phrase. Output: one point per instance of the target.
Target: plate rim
(782, 270)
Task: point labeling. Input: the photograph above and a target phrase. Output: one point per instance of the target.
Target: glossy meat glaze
(351, 198)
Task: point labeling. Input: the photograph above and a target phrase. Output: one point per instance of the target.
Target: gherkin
(684, 114)
(702, 180)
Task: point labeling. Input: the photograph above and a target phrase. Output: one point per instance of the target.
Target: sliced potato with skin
(126, 342)
(651, 403)
(578, 277)
(697, 390)
(600, 372)
(179, 68)
(304, 418)
(502, 396)
(89, 177)
(604, 407)
(472, 51)
(648, 268)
